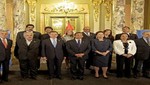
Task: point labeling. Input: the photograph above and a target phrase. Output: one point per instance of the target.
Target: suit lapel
(2, 43)
(144, 42)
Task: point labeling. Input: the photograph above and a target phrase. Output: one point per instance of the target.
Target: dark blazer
(131, 36)
(72, 48)
(5, 53)
(143, 49)
(50, 52)
(92, 36)
(27, 52)
(46, 36)
(37, 35)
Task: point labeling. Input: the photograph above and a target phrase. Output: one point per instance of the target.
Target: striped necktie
(4, 43)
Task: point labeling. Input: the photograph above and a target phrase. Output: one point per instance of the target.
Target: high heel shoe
(105, 77)
(97, 77)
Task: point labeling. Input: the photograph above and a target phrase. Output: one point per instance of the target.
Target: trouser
(5, 69)
(77, 66)
(54, 66)
(28, 66)
(120, 63)
(138, 66)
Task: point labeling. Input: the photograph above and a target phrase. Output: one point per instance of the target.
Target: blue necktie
(54, 42)
(79, 43)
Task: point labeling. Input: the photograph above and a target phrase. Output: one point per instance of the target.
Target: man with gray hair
(28, 52)
(5, 54)
(143, 53)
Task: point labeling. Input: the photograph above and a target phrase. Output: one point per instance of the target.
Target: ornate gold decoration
(96, 6)
(108, 7)
(32, 11)
(52, 8)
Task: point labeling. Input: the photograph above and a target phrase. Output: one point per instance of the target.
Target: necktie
(79, 43)
(4, 43)
(54, 42)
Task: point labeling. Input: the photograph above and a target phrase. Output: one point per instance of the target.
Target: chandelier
(66, 7)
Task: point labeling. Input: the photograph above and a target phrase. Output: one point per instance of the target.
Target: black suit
(73, 48)
(46, 36)
(5, 54)
(27, 55)
(37, 35)
(131, 36)
(143, 54)
(54, 56)
(89, 37)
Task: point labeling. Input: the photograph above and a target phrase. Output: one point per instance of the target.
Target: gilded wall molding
(51, 8)
(19, 15)
(108, 7)
(32, 11)
(2, 14)
(96, 7)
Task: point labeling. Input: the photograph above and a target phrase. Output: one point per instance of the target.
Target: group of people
(80, 49)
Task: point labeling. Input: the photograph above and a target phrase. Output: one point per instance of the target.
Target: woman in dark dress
(102, 48)
(108, 35)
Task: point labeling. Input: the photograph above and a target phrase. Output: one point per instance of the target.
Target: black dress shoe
(73, 78)
(105, 77)
(96, 77)
(49, 78)
(59, 77)
(80, 78)
(1, 81)
(34, 78)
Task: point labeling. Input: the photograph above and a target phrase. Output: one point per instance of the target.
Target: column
(32, 12)
(19, 15)
(96, 14)
(137, 14)
(118, 20)
(2, 14)
(108, 13)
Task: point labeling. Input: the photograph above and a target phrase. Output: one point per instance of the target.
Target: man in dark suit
(37, 35)
(78, 50)
(28, 52)
(46, 35)
(126, 30)
(143, 53)
(89, 36)
(5, 54)
(53, 51)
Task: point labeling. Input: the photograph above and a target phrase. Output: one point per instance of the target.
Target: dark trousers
(28, 66)
(109, 61)
(5, 69)
(89, 61)
(77, 67)
(138, 66)
(54, 67)
(120, 64)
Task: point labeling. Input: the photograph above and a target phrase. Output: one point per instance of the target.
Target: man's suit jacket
(46, 36)
(143, 49)
(49, 51)
(92, 36)
(119, 48)
(5, 53)
(131, 36)
(72, 48)
(27, 52)
(37, 35)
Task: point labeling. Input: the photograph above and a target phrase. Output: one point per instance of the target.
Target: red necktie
(4, 43)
